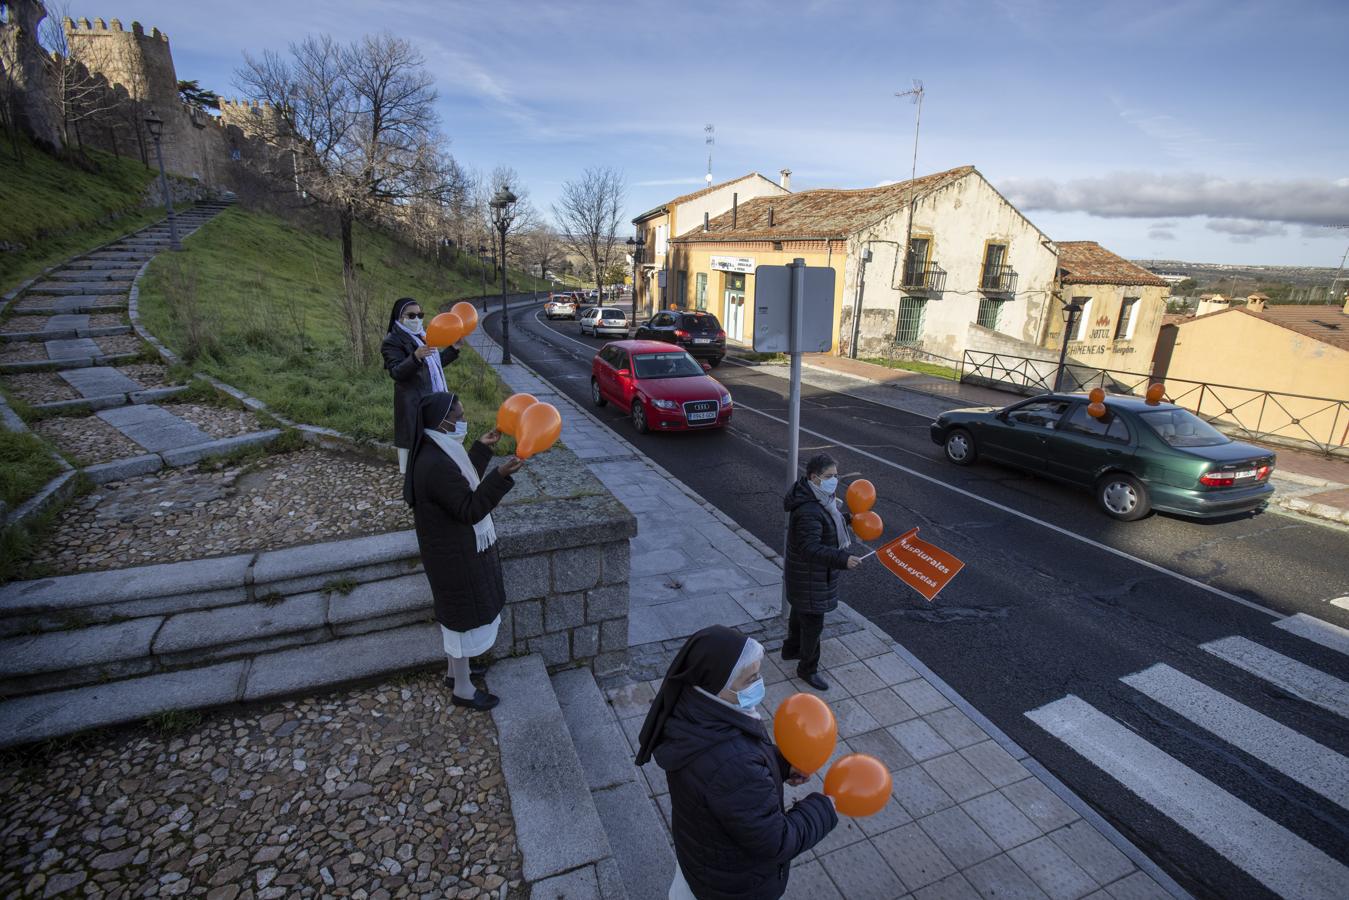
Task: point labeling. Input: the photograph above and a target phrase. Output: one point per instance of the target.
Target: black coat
(814, 557)
(733, 838)
(411, 381)
(466, 584)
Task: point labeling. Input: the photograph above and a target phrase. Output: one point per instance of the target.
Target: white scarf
(483, 529)
(830, 504)
(432, 361)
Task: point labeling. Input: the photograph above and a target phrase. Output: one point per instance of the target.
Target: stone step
(54, 306)
(154, 428)
(119, 256)
(82, 288)
(104, 265)
(87, 275)
(56, 365)
(637, 836)
(562, 840)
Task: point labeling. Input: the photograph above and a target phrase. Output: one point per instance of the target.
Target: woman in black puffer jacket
(817, 542)
(733, 837)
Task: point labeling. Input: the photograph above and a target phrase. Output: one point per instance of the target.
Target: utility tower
(711, 139)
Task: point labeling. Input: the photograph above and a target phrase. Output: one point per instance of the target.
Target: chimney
(735, 209)
(707, 220)
(1256, 303)
(770, 217)
(1346, 303)
(785, 179)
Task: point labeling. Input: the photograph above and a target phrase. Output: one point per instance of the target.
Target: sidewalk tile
(1000, 878)
(835, 693)
(918, 737)
(860, 873)
(683, 617)
(956, 727)
(658, 562)
(853, 719)
(1137, 886)
(847, 832)
(952, 887)
(995, 763)
(834, 653)
(632, 727)
(712, 578)
(761, 602)
(1090, 850)
(644, 626)
(886, 707)
(923, 697)
(881, 745)
(857, 678)
(913, 856)
(892, 815)
(1051, 869)
(655, 778)
(957, 777)
(963, 841)
(653, 590)
(631, 700)
(666, 812)
(891, 669)
(1041, 805)
(920, 795)
(808, 881)
(1003, 822)
(864, 644)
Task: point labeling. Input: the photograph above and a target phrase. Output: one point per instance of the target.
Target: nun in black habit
(452, 495)
(416, 370)
(733, 836)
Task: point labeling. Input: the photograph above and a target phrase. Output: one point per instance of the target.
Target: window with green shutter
(909, 328)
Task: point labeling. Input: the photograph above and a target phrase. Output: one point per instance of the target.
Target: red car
(664, 388)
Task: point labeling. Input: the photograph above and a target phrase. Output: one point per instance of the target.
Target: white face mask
(459, 432)
(416, 326)
(829, 485)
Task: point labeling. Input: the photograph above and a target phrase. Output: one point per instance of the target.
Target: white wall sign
(733, 264)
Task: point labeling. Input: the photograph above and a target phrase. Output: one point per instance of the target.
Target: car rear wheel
(714, 361)
(639, 417)
(595, 395)
(1122, 497)
(960, 447)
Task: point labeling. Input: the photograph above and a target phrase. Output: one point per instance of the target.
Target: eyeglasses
(414, 315)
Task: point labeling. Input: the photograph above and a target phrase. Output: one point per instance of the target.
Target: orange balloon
(867, 525)
(508, 416)
(1097, 395)
(444, 330)
(540, 426)
(806, 731)
(467, 313)
(1156, 393)
(861, 496)
(1096, 410)
(859, 784)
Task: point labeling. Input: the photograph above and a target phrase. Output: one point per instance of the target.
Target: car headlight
(665, 404)
(725, 400)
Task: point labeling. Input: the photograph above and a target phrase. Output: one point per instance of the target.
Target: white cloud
(1246, 228)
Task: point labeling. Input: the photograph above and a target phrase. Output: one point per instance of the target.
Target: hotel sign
(743, 264)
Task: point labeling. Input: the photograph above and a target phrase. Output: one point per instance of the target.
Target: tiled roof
(819, 214)
(1328, 324)
(1087, 262)
(665, 207)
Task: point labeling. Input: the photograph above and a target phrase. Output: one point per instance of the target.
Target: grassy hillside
(257, 301)
(57, 209)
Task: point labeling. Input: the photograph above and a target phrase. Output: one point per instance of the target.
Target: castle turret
(139, 62)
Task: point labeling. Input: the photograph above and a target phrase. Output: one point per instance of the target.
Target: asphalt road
(1056, 600)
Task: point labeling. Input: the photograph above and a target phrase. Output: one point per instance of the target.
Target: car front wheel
(639, 417)
(960, 447)
(596, 395)
(714, 361)
(1122, 497)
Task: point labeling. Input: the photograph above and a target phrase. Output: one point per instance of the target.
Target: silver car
(600, 320)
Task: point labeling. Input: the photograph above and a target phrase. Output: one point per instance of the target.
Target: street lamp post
(155, 125)
(635, 245)
(1071, 310)
(503, 214)
(482, 269)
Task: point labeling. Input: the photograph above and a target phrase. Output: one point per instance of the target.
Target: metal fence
(1313, 422)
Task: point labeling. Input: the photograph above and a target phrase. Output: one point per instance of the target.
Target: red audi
(663, 388)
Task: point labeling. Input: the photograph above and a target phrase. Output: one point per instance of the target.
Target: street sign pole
(797, 305)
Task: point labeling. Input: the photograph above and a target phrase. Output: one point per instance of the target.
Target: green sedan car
(1136, 458)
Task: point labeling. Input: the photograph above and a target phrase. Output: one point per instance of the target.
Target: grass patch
(58, 209)
(343, 586)
(174, 721)
(266, 317)
(18, 543)
(913, 365)
(764, 357)
(26, 465)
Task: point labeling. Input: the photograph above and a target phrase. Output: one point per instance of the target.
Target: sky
(1202, 130)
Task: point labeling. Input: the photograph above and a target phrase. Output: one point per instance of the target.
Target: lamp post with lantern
(503, 214)
(155, 125)
(1071, 310)
(635, 246)
(482, 270)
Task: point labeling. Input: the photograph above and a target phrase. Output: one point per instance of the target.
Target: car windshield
(666, 365)
(699, 322)
(613, 314)
(1182, 428)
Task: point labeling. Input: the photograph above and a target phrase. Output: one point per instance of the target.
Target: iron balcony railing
(998, 280)
(923, 277)
(1241, 412)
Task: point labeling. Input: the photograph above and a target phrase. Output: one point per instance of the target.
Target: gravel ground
(87, 440)
(39, 387)
(107, 320)
(20, 324)
(24, 351)
(148, 375)
(36, 302)
(379, 792)
(201, 511)
(120, 343)
(217, 421)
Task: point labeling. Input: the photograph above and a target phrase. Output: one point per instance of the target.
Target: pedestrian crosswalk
(1274, 853)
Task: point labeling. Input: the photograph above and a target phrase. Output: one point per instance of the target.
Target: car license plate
(1244, 473)
(701, 416)
(702, 340)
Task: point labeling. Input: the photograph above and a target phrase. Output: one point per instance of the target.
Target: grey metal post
(797, 305)
(168, 199)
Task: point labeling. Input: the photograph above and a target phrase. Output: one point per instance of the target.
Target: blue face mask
(751, 696)
(829, 485)
(460, 431)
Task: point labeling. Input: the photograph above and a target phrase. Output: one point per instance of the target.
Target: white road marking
(1341, 602)
(1314, 629)
(1273, 855)
(1193, 582)
(1302, 681)
(1302, 759)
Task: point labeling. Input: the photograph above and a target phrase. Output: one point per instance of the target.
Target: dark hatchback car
(1136, 458)
(699, 333)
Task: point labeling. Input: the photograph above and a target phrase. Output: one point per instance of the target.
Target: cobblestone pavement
(217, 421)
(39, 387)
(214, 509)
(382, 791)
(87, 440)
(20, 324)
(22, 351)
(149, 375)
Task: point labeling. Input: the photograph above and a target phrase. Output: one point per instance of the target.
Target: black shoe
(789, 655)
(814, 680)
(482, 701)
(476, 670)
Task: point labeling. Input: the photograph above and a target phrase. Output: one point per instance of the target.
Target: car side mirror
(706, 367)
(624, 373)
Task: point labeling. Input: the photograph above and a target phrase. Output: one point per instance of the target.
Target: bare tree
(543, 248)
(80, 95)
(24, 78)
(589, 212)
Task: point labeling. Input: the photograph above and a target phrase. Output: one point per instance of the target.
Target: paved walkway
(972, 814)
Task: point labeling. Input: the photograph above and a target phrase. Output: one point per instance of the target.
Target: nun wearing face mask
(733, 836)
(452, 495)
(416, 369)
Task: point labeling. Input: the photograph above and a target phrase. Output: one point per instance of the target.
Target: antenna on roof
(710, 131)
(916, 92)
